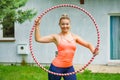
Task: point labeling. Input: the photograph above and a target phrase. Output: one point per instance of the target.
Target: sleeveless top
(66, 50)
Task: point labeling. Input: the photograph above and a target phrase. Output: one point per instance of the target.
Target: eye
(63, 24)
(67, 23)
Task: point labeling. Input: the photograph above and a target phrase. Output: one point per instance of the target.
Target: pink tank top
(66, 50)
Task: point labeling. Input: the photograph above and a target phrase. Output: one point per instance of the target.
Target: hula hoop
(45, 12)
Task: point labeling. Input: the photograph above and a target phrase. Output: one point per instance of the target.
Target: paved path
(101, 68)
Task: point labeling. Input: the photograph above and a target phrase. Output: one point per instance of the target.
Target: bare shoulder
(75, 36)
(55, 37)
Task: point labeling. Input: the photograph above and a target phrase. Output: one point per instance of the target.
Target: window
(115, 37)
(7, 30)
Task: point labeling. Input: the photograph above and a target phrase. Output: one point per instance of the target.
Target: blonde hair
(64, 16)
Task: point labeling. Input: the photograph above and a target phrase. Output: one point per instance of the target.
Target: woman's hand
(96, 52)
(37, 22)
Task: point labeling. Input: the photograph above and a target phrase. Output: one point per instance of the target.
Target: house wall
(81, 25)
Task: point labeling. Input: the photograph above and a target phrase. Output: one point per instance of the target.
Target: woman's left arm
(86, 44)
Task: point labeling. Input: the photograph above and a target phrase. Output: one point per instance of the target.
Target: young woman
(65, 42)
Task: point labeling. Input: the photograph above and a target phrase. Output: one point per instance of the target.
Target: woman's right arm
(39, 38)
(37, 32)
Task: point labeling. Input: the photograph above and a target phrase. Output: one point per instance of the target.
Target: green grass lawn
(35, 73)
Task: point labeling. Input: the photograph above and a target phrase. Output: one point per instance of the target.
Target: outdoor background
(14, 44)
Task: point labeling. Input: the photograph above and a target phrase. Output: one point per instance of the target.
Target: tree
(11, 12)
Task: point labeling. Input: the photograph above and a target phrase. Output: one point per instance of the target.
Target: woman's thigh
(57, 70)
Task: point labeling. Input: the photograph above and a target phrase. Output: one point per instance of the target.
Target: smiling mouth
(65, 29)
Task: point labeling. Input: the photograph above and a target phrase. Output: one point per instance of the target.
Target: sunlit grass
(35, 73)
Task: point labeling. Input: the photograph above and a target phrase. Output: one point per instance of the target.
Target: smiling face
(65, 25)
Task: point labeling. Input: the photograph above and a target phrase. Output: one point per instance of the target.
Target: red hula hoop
(45, 12)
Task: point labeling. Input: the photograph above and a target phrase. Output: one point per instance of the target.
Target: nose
(65, 25)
